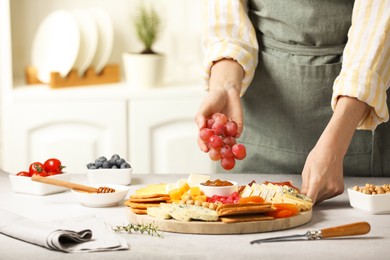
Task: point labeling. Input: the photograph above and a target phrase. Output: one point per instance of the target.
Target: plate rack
(110, 74)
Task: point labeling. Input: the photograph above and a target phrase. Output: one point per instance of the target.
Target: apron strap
(301, 49)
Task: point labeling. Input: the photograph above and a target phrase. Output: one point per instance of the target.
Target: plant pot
(143, 70)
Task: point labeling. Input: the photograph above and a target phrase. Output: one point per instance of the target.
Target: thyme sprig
(150, 229)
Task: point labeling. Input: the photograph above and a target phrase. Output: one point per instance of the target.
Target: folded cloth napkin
(76, 235)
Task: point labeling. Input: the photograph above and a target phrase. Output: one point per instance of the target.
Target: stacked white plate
(77, 39)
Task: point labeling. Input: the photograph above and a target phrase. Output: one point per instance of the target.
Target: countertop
(334, 212)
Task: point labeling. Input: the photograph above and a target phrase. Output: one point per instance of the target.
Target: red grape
(219, 118)
(214, 154)
(228, 163)
(231, 128)
(219, 135)
(210, 123)
(229, 140)
(226, 152)
(218, 128)
(239, 151)
(205, 134)
(216, 141)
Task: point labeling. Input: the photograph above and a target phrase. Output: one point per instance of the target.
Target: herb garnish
(150, 229)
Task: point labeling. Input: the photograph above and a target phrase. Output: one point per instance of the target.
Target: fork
(72, 185)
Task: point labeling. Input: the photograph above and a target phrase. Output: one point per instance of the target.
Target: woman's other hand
(223, 96)
(322, 175)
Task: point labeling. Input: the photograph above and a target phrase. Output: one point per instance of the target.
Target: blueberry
(89, 165)
(98, 163)
(107, 165)
(115, 157)
(125, 165)
(112, 161)
(102, 158)
(119, 162)
(93, 167)
(114, 167)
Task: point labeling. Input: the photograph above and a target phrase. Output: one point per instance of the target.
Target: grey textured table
(333, 212)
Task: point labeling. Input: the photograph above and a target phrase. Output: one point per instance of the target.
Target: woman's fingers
(234, 104)
(309, 188)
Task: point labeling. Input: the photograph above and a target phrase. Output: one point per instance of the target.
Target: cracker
(244, 210)
(245, 218)
(148, 196)
(141, 205)
(139, 211)
(225, 206)
(149, 200)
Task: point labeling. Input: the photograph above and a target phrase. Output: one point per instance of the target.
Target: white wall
(180, 38)
(5, 60)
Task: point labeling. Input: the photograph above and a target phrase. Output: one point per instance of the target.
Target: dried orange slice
(251, 199)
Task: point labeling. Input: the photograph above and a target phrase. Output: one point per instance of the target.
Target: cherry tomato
(53, 166)
(25, 174)
(35, 168)
(43, 174)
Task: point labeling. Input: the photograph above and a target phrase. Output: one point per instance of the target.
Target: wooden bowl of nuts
(370, 198)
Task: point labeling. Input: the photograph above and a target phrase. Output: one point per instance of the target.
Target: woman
(277, 64)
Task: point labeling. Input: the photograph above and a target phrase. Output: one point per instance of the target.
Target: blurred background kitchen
(101, 114)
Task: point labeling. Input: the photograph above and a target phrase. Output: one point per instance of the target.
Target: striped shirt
(365, 72)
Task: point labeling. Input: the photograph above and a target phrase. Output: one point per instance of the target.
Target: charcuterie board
(202, 227)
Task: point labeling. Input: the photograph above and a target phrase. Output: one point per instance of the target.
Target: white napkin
(75, 235)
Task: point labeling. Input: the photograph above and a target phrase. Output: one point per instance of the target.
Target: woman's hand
(223, 96)
(322, 175)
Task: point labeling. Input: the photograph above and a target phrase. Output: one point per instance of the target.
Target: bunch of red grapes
(220, 137)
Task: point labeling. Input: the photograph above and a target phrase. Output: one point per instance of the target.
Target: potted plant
(145, 69)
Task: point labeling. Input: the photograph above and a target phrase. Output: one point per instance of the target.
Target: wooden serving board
(202, 227)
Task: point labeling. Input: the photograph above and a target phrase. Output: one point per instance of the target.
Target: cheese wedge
(278, 194)
(158, 212)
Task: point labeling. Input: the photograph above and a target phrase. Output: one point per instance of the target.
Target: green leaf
(147, 24)
(150, 229)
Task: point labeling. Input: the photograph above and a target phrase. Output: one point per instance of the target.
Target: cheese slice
(182, 212)
(202, 213)
(278, 194)
(255, 193)
(158, 212)
(246, 192)
(152, 189)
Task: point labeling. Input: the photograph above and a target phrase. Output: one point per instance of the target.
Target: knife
(353, 229)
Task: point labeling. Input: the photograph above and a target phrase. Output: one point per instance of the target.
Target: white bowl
(373, 204)
(210, 191)
(114, 176)
(100, 200)
(21, 184)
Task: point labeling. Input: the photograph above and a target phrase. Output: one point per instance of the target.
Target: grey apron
(287, 106)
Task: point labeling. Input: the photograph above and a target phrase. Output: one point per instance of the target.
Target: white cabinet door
(163, 136)
(74, 132)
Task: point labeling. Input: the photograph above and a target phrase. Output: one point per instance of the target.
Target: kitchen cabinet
(74, 131)
(154, 129)
(163, 134)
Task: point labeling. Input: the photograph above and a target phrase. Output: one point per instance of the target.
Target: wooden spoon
(71, 185)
